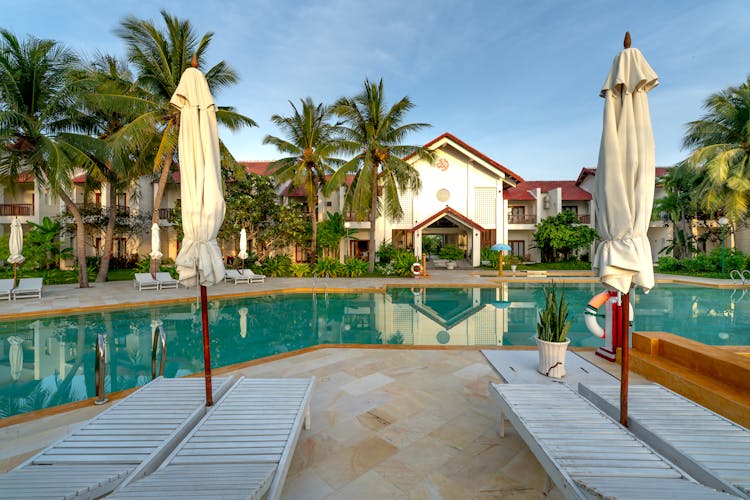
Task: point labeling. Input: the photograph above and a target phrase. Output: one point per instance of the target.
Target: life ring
(416, 269)
(590, 314)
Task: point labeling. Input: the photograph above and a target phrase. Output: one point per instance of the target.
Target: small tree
(562, 236)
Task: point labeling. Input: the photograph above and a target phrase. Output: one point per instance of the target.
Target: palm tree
(160, 58)
(374, 134)
(309, 146)
(720, 141)
(39, 120)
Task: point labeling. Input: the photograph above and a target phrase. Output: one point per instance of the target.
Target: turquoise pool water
(49, 361)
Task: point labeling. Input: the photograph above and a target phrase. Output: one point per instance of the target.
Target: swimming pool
(48, 361)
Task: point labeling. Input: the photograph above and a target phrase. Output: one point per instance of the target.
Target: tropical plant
(720, 144)
(40, 126)
(553, 323)
(451, 252)
(402, 262)
(331, 231)
(309, 147)
(328, 267)
(276, 265)
(561, 235)
(386, 252)
(431, 243)
(43, 247)
(354, 267)
(680, 206)
(489, 256)
(160, 57)
(374, 135)
(300, 269)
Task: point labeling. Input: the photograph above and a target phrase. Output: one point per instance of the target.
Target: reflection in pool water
(48, 361)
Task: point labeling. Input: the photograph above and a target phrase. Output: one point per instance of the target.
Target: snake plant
(553, 323)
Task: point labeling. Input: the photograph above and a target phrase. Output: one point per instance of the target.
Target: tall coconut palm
(374, 134)
(720, 143)
(39, 122)
(309, 146)
(160, 57)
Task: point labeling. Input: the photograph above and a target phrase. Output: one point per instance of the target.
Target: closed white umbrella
(624, 188)
(15, 355)
(199, 261)
(243, 321)
(15, 245)
(243, 246)
(155, 246)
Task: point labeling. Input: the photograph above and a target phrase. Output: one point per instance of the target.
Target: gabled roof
(475, 152)
(448, 211)
(255, 167)
(586, 171)
(570, 190)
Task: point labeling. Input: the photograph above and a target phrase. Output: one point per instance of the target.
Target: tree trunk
(160, 189)
(83, 277)
(109, 235)
(373, 218)
(312, 204)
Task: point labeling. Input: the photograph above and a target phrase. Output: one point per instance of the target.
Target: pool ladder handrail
(160, 338)
(99, 369)
(742, 276)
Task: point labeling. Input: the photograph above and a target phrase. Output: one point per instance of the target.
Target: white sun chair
(235, 276)
(144, 281)
(712, 449)
(28, 288)
(254, 278)
(129, 439)
(242, 448)
(5, 288)
(586, 453)
(166, 280)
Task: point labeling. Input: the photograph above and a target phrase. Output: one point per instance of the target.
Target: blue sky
(517, 80)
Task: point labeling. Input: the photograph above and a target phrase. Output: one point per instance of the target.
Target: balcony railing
(16, 209)
(584, 219)
(165, 213)
(92, 208)
(521, 218)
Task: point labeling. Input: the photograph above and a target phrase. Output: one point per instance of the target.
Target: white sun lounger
(166, 280)
(712, 449)
(129, 439)
(6, 286)
(241, 449)
(28, 288)
(254, 278)
(586, 453)
(144, 281)
(236, 276)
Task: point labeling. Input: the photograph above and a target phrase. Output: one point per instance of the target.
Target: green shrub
(355, 268)
(668, 264)
(402, 263)
(386, 252)
(300, 269)
(452, 252)
(328, 266)
(278, 265)
(733, 259)
(489, 255)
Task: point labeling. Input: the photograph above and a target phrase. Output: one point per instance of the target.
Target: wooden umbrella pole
(625, 365)
(15, 267)
(206, 347)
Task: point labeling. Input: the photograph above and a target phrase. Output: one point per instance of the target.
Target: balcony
(94, 209)
(584, 219)
(521, 218)
(165, 213)
(16, 209)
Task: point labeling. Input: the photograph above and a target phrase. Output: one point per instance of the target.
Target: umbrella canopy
(500, 247)
(15, 244)
(199, 260)
(625, 175)
(202, 200)
(243, 245)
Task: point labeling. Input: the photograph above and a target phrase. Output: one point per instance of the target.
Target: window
(517, 247)
(572, 208)
(120, 246)
(488, 237)
(518, 216)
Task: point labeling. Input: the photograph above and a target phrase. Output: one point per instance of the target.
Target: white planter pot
(552, 357)
(513, 268)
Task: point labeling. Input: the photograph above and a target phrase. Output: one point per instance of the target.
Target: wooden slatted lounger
(129, 439)
(586, 453)
(712, 449)
(241, 449)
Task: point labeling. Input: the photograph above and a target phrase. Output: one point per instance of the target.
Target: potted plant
(552, 330)
(514, 260)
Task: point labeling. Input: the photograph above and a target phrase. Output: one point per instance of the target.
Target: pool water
(48, 361)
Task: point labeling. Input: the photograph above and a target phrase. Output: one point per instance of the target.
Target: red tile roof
(476, 152)
(454, 213)
(570, 190)
(585, 172)
(256, 167)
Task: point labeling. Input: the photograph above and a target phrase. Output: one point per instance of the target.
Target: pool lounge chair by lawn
(254, 278)
(131, 438)
(166, 280)
(144, 281)
(28, 288)
(712, 449)
(241, 449)
(586, 453)
(235, 276)
(5, 288)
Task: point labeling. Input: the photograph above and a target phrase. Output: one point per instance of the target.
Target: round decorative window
(443, 337)
(443, 195)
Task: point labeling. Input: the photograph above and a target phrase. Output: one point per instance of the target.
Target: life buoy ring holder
(416, 269)
(590, 314)
(417, 291)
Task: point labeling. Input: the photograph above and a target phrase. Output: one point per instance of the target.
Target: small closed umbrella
(15, 355)
(199, 261)
(15, 245)
(500, 247)
(624, 188)
(155, 246)
(243, 321)
(243, 247)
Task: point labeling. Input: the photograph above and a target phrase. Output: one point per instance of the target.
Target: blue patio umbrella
(500, 247)
(501, 304)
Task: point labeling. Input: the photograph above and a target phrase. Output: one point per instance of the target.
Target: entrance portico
(455, 229)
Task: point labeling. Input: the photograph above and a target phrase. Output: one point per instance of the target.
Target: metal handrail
(736, 275)
(159, 338)
(99, 369)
